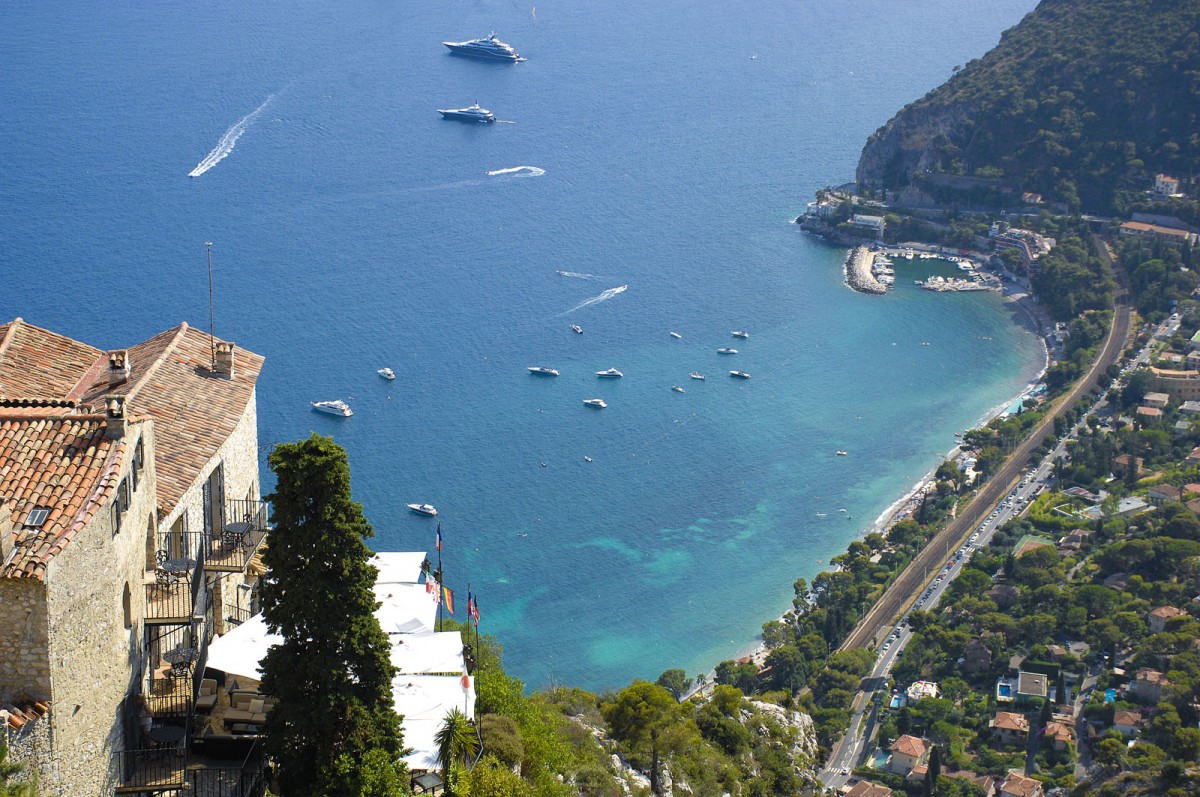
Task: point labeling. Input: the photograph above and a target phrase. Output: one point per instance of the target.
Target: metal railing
(242, 532)
(247, 779)
(159, 767)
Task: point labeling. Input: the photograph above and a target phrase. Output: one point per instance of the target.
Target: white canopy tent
(398, 568)
(419, 737)
(405, 608)
(431, 697)
(238, 652)
(434, 652)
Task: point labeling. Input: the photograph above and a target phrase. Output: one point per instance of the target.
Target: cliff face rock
(921, 138)
(1083, 101)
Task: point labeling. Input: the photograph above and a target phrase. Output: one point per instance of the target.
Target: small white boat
(542, 370)
(578, 330)
(841, 453)
(726, 351)
(387, 373)
(678, 389)
(597, 403)
(609, 373)
(677, 336)
(696, 375)
(423, 509)
(740, 374)
(336, 407)
(737, 333)
(586, 458)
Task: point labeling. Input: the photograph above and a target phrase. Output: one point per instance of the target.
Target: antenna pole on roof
(212, 339)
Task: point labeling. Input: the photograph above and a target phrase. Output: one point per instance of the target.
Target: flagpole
(441, 597)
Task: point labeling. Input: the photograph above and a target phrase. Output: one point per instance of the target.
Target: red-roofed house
(1148, 685)
(1010, 727)
(865, 788)
(1158, 617)
(1060, 733)
(1020, 786)
(128, 496)
(908, 752)
(1160, 494)
(1127, 723)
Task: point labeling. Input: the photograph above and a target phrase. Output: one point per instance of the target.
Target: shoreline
(1030, 317)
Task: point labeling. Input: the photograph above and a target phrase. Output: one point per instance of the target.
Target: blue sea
(670, 144)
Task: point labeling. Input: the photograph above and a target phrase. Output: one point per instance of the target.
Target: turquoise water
(354, 228)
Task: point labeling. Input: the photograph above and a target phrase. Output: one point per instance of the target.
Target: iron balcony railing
(163, 766)
(240, 535)
(177, 592)
(243, 776)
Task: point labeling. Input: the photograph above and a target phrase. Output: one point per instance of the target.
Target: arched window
(127, 606)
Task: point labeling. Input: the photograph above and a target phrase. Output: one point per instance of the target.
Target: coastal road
(933, 557)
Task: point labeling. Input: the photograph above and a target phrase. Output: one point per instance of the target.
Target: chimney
(118, 367)
(114, 417)
(224, 359)
(6, 533)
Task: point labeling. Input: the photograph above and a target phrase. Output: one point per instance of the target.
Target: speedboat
(542, 370)
(609, 373)
(696, 375)
(423, 509)
(740, 374)
(578, 330)
(677, 336)
(841, 453)
(726, 351)
(678, 389)
(335, 407)
(597, 403)
(387, 373)
(471, 113)
(488, 47)
(737, 333)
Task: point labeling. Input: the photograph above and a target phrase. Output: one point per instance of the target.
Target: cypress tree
(929, 786)
(331, 677)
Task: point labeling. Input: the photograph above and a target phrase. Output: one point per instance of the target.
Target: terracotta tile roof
(865, 788)
(1147, 675)
(35, 362)
(910, 745)
(1011, 721)
(169, 380)
(1130, 718)
(194, 412)
(22, 711)
(63, 462)
(1021, 786)
(1060, 732)
(1167, 612)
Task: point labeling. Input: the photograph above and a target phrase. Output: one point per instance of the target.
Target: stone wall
(95, 657)
(29, 746)
(24, 635)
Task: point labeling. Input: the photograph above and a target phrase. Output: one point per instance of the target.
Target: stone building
(130, 519)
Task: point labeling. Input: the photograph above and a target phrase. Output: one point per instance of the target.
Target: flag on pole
(470, 604)
(429, 584)
(439, 537)
(474, 611)
(437, 594)
(449, 599)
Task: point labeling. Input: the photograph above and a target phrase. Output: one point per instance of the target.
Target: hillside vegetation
(1083, 101)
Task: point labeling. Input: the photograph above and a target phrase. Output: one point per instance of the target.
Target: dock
(859, 275)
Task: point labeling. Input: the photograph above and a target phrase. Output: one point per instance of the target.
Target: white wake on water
(225, 145)
(577, 275)
(532, 171)
(604, 297)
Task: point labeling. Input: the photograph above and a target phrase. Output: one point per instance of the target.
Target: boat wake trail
(225, 145)
(531, 171)
(577, 275)
(604, 297)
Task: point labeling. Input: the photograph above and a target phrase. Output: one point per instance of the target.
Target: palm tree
(456, 740)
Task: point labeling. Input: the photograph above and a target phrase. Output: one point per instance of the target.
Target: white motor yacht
(542, 370)
(597, 403)
(696, 375)
(423, 509)
(737, 333)
(726, 350)
(740, 374)
(678, 389)
(336, 407)
(609, 373)
(387, 373)
(578, 330)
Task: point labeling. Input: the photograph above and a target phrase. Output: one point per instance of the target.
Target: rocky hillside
(1083, 102)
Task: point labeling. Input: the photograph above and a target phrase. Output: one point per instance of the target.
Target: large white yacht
(542, 370)
(423, 509)
(597, 403)
(609, 373)
(489, 47)
(472, 113)
(335, 407)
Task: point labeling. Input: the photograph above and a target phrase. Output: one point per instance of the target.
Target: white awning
(428, 653)
(419, 737)
(238, 652)
(398, 568)
(405, 608)
(431, 697)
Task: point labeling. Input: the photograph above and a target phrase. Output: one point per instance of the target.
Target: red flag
(473, 611)
(449, 599)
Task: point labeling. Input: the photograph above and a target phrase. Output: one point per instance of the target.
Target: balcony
(213, 767)
(152, 769)
(242, 534)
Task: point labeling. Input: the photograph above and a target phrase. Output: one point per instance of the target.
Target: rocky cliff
(1081, 101)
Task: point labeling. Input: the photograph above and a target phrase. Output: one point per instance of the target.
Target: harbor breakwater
(858, 271)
